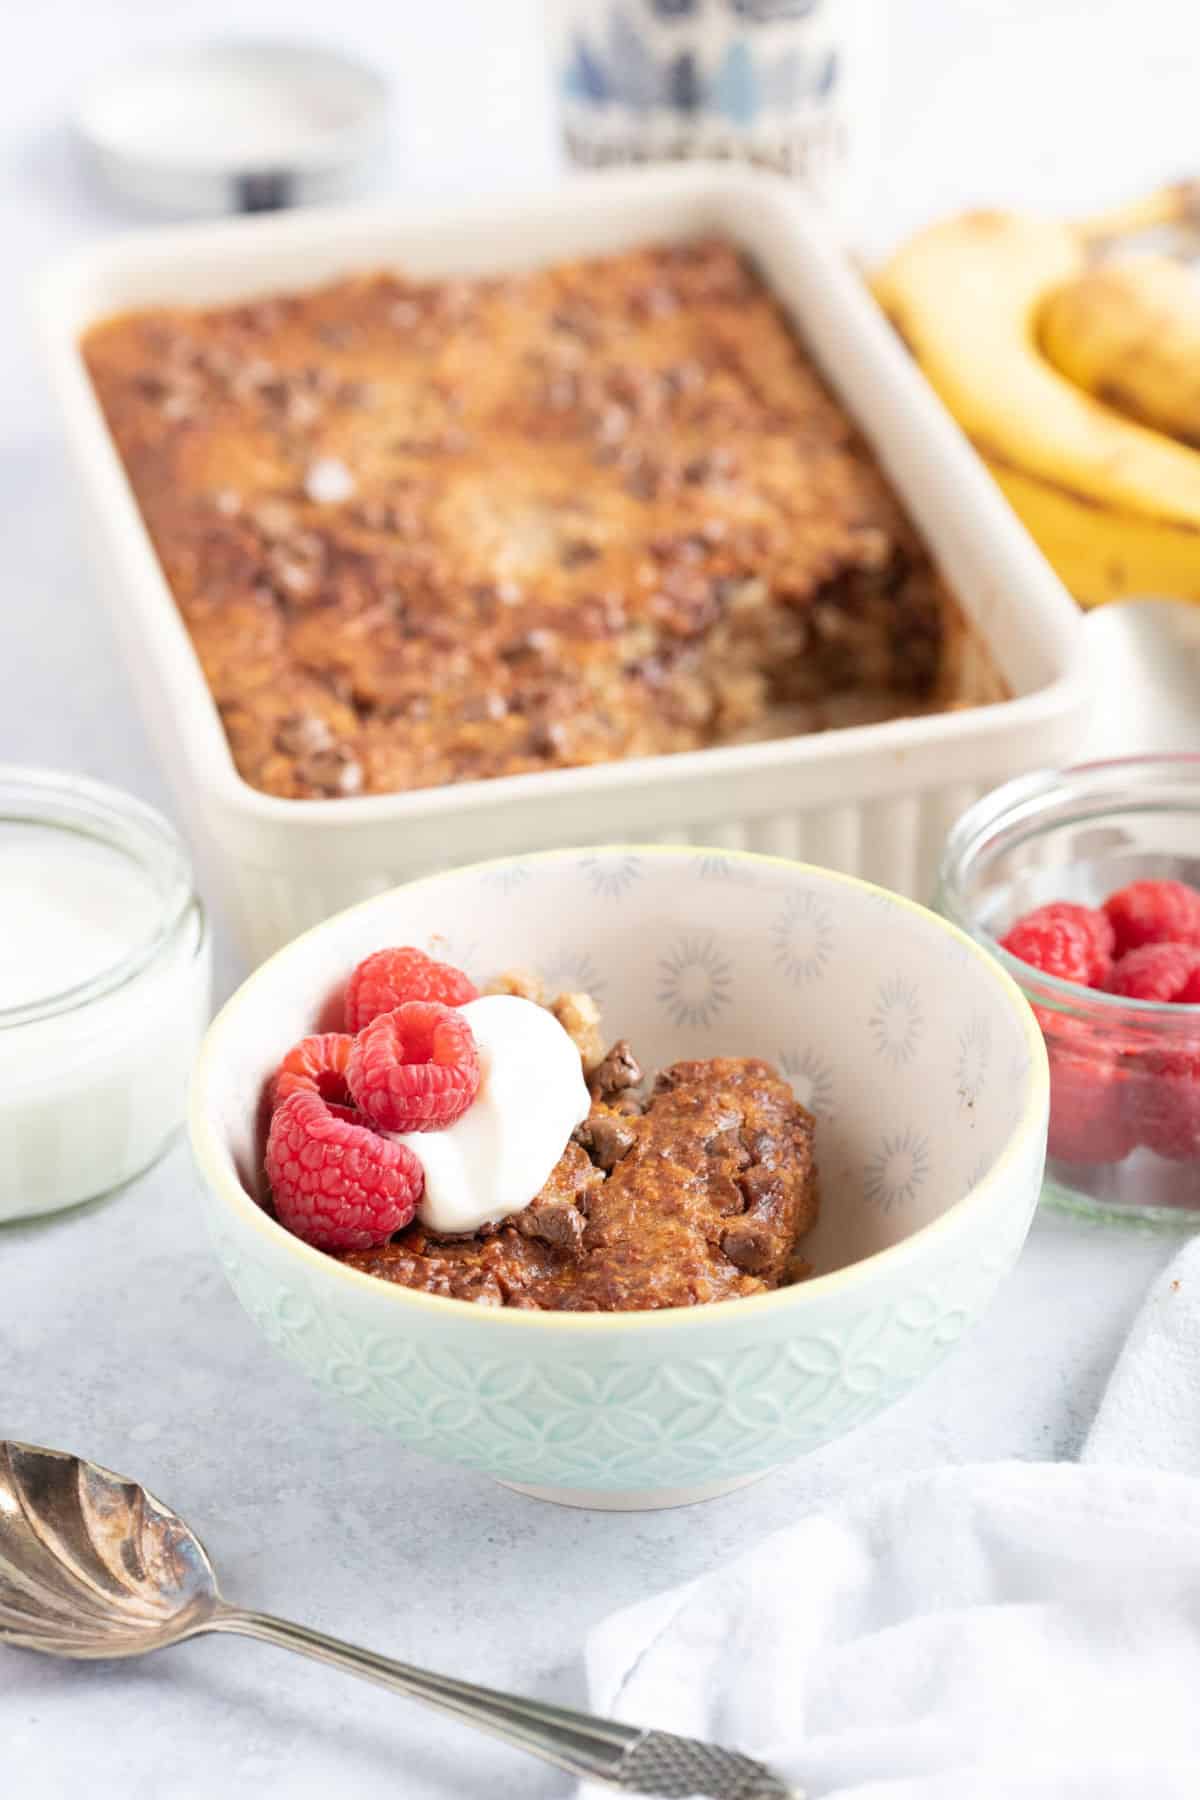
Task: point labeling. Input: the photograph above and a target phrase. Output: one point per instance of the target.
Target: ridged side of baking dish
(874, 800)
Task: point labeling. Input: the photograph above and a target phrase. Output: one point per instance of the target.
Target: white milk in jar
(104, 988)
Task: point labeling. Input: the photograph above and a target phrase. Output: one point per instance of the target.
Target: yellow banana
(1100, 554)
(1116, 507)
(1129, 332)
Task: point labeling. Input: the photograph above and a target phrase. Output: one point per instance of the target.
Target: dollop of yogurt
(497, 1157)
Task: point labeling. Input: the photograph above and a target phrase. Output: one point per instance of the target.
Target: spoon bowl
(91, 1565)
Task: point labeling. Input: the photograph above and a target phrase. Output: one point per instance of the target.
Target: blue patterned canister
(788, 84)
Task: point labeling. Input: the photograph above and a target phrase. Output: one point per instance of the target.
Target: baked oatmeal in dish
(423, 532)
(514, 1162)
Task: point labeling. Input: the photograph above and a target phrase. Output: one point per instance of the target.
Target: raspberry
(1057, 946)
(1158, 972)
(1164, 1103)
(1095, 925)
(316, 1065)
(1088, 1113)
(1154, 912)
(415, 1068)
(337, 1184)
(387, 979)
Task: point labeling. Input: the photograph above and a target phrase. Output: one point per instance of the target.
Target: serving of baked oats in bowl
(622, 1175)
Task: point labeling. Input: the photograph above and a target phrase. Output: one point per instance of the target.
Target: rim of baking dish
(215, 1165)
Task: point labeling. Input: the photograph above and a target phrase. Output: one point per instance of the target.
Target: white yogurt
(70, 908)
(104, 989)
(532, 1095)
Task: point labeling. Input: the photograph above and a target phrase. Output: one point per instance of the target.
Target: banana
(1115, 506)
(1099, 554)
(1129, 333)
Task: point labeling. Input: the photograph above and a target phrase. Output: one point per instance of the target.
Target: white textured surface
(118, 1335)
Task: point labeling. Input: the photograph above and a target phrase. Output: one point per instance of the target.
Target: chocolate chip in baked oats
(576, 553)
(547, 737)
(559, 1224)
(618, 1071)
(749, 1246)
(606, 1137)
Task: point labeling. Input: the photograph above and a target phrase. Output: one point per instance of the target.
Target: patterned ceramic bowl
(916, 1051)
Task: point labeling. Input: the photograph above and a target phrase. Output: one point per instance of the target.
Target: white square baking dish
(874, 800)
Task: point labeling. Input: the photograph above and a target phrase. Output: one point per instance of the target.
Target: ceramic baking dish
(873, 800)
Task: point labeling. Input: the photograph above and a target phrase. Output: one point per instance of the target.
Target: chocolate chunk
(606, 1139)
(749, 1246)
(574, 554)
(619, 1070)
(558, 1224)
(548, 737)
(760, 1185)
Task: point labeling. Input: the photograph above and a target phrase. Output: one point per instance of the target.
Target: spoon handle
(622, 1756)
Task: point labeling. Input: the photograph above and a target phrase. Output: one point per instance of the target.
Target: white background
(118, 1336)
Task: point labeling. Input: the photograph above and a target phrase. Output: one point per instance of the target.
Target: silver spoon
(91, 1565)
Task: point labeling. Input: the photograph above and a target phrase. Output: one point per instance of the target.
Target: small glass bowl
(95, 1059)
(1124, 1075)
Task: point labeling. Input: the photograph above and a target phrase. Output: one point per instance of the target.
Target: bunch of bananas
(1075, 371)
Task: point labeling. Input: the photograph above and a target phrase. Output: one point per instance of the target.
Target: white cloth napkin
(1151, 1412)
(1017, 1630)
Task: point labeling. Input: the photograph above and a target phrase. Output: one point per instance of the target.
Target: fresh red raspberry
(1088, 1112)
(1158, 972)
(1095, 925)
(1056, 946)
(415, 1068)
(1154, 912)
(316, 1065)
(336, 1183)
(387, 979)
(1164, 1103)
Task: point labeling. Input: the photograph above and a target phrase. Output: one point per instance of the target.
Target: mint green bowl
(916, 1051)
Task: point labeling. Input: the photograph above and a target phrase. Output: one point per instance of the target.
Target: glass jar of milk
(104, 988)
(790, 85)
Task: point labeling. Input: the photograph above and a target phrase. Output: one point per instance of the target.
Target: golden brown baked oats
(698, 1193)
(423, 532)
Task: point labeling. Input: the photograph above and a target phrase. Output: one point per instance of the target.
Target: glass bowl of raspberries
(1085, 883)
